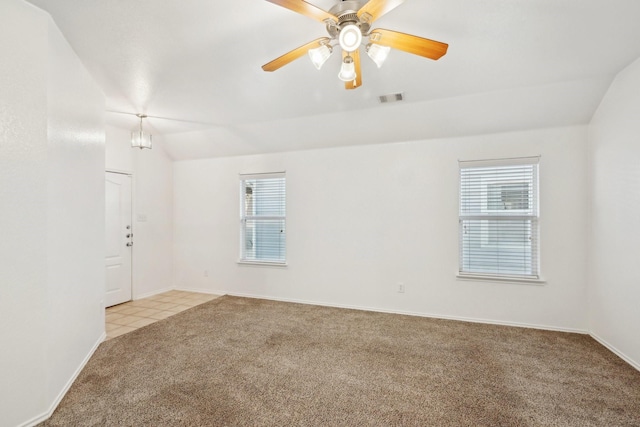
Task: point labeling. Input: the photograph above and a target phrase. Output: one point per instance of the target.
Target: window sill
(500, 279)
(263, 263)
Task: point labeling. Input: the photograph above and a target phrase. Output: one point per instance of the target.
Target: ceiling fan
(348, 24)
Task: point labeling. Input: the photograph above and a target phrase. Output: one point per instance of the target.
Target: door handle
(129, 243)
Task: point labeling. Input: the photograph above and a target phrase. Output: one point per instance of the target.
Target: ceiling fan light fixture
(378, 53)
(320, 55)
(348, 23)
(350, 37)
(348, 70)
(138, 138)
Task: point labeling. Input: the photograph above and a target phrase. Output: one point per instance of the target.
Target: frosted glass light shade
(320, 55)
(350, 37)
(348, 70)
(378, 53)
(140, 140)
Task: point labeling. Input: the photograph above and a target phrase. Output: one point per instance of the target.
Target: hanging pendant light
(138, 138)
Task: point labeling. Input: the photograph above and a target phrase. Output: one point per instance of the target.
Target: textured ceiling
(511, 64)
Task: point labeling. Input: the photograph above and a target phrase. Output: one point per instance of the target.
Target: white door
(119, 238)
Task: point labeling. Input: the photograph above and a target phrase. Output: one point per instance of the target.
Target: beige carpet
(250, 362)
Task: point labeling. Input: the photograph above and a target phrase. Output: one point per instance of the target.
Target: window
(498, 223)
(262, 218)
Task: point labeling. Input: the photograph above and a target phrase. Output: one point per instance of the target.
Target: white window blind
(499, 218)
(263, 218)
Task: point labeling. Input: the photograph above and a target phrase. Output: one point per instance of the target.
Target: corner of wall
(613, 151)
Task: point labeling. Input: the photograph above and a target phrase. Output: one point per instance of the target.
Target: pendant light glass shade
(378, 53)
(348, 70)
(320, 55)
(138, 138)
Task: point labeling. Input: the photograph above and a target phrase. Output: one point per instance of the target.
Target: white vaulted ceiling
(511, 64)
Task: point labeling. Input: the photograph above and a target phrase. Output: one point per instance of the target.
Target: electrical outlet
(206, 273)
(400, 287)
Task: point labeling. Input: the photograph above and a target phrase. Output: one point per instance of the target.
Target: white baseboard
(201, 291)
(615, 351)
(610, 347)
(40, 418)
(150, 294)
(411, 313)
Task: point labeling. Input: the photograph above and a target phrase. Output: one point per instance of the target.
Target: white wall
(614, 151)
(75, 214)
(153, 222)
(52, 226)
(118, 153)
(23, 216)
(361, 219)
(152, 172)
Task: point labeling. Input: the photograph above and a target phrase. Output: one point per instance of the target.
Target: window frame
(516, 215)
(244, 218)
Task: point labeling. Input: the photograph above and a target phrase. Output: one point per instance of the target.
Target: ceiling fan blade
(294, 54)
(353, 84)
(413, 44)
(377, 8)
(304, 8)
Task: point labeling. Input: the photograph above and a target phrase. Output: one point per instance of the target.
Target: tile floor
(127, 317)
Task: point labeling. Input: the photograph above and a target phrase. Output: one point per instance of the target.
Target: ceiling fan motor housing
(347, 13)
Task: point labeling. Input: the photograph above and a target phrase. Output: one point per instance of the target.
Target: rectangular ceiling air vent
(393, 97)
